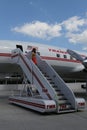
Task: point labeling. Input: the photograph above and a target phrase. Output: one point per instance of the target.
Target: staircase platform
(37, 104)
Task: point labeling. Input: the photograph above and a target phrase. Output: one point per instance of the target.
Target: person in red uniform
(34, 56)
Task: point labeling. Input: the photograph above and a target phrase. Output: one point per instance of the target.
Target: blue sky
(60, 23)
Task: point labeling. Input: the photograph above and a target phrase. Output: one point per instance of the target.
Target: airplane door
(20, 46)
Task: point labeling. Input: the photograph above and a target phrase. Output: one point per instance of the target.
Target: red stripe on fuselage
(5, 54)
(44, 57)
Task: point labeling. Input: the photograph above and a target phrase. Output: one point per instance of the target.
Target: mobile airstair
(55, 95)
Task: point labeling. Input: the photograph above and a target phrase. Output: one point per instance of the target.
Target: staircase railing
(33, 74)
(58, 81)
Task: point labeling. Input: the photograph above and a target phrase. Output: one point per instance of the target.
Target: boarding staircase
(48, 83)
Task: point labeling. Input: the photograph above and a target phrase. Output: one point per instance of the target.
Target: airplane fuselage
(69, 68)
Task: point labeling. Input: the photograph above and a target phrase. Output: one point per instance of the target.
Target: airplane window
(65, 56)
(58, 55)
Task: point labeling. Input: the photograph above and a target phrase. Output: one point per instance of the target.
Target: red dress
(34, 57)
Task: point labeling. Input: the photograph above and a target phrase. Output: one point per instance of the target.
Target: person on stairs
(34, 59)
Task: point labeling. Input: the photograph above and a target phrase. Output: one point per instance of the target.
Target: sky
(61, 23)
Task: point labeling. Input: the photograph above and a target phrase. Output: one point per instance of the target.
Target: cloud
(73, 24)
(78, 38)
(84, 48)
(74, 29)
(40, 30)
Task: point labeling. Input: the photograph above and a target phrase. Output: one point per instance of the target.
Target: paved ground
(13, 117)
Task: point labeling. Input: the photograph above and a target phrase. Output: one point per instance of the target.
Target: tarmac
(13, 117)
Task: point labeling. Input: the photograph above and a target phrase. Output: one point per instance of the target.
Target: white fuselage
(68, 67)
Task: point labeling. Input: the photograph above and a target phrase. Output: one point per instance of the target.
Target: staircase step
(54, 86)
(61, 97)
(56, 89)
(59, 94)
(66, 110)
(62, 101)
(48, 78)
(51, 82)
(45, 75)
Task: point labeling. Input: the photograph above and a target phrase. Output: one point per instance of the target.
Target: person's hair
(34, 50)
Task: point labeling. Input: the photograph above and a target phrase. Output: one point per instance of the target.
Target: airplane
(69, 67)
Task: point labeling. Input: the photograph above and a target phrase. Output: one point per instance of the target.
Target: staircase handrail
(58, 80)
(43, 86)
